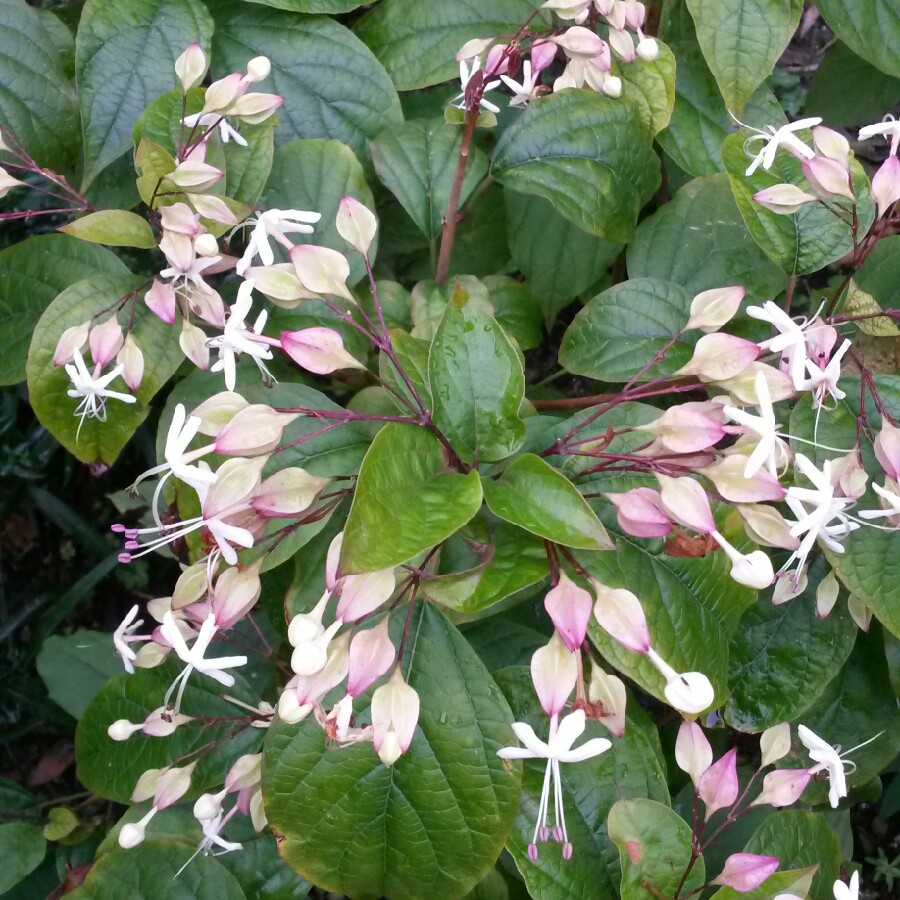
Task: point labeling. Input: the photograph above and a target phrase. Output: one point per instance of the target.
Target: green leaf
(880, 274)
(534, 496)
(477, 383)
(416, 161)
(330, 7)
(148, 872)
(22, 848)
(742, 40)
(870, 28)
(654, 848)
(61, 822)
(75, 667)
(768, 685)
(432, 824)
(315, 175)
(98, 442)
(589, 155)
(37, 102)
(619, 332)
(32, 273)
(650, 87)
(720, 251)
(333, 87)
(801, 839)
(412, 354)
(125, 53)
(793, 881)
(417, 43)
(559, 260)
(405, 500)
(809, 239)
(509, 638)
(114, 228)
(111, 768)
(247, 168)
(633, 767)
(517, 309)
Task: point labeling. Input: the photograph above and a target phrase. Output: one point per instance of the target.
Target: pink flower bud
(356, 224)
(886, 185)
(684, 430)
(161, 300)
(827, 177)
(363, 594)
(235, 594)
(720, 356)
(783, 199)
(255, 108)
(192, 341)
(640, 513)
(106, 341)
(775, 743)
(246, 772)
(620, 614)
(395, 712)
(179, 219)
(783, 787)
(496, 64)
(193, 175)
(371, 654)
(217, 411)
(190, 67)
(172, 785)
(831, 144)
(746, 871)
(318, 349)
(163, 721)
(72, 339)
(254, 430)
(692, 750)
(827, 594)
(322, 270)
(635, 12)
(718, 785)
(569, 608)
(712, 309)
(287, 493)
(607, 693)
(542, 55)
(580, 41)
(131, 360)
(622, 44)
(222, 93)
(213, 208)
(685, 502)
(554, 671)
(728, 477)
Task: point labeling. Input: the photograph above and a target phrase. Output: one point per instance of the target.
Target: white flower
(92, 389)
(557, 750)
(823, 382)
(889, 127)
(234, 339)
(207, 120)
(893, 508)
(124, 635)
(847, 892)
(529, 88)
(831, 760)
(779, 137)
(770, 451)
(790, 341)
(189, 270)
(465, 76)
(277, 224)
(688, 692)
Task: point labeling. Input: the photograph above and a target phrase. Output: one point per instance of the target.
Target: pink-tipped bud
(765, 525)
(887, 449)
(363, 594)
(607, 694)
(718, 357)
(471, 49)
(222, 93)
(620, 614)
(580, 41)
(191, 65)
(775, 743)
(235, 594)
(827, 594)
(728, 477)
(217, 411)
(279, 282)
(332, 561)
(322, 270)
(635, 13)
(179, 219)
(783, 787)
(131, 359)
(161, 300)
(106, 341)
(255, 108)
(213, 208)
(256, 429)
(886, 185)
(622, 44)
(287, 493)
(356, 224)
(542, 55)
(194, 175)
(173, 783)
(554, 671)
(640, 513)
(693, 752)
(783, 199)
(685, 502)
(827, 177)
(712, 309)
(745, 872)
(496, 63)
(372, 653)
(860, 613)
(684, 430)
(163, 722)
(72, 339)
(245, 773)
(319, 350)
(395, 712)
(192, 341)
(569, 608)
(718, 785)
(831, 144)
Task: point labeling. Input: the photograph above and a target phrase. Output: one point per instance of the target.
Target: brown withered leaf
(681, 544)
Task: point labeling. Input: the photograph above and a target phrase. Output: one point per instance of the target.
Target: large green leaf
(331, 7)
(22, 848)
(699, 241)
(870, 28)
(632, 768)
(654, 849)
(589, 155)
(782, 658)
(149, 871)
(477, 383)
(809, 239)
(534, 496)
(880, 274)
(742, 40)
(315, 175)
(125, 52)
(618, 332)
(432, 824)
(417, 42)
(650, 86)
(405, 500)
(333, 87)
(98, 441)
(517, 309)
(37, 103)
(416, 162)
(114, 228)
(32, 273)
(111, 768)
(247, 168)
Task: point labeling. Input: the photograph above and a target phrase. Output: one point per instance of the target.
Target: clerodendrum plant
(441, 618)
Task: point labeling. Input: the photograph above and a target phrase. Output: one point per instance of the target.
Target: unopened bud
(255, 430)
(208, 806)
(554, 671)
(190, 67)
(72, 339)
(222, 93)
(192, 341)
(172, 785)
(237, 479)
(246, 772)
(782, 787)
(131, 359)
(712, 309)
(318, 349)
(827, 177)
(783, 199)
(859, 612)
(580, 41)
(688, 692)
(105, 341)
(471, 49)
(765, 525)
(832, 144)
(620, 614)
(622, 44)
(122, 729)
(569, 607)
(542, 55)
(640, 513)
(886, 185)
(255, 108)
(287, 493)
(745, 872)
(161, 300)
(363, 594)
(371, 654)
(827, 594)
(213, 208)
(235, 594)
(720, 356)
(194, 175)
(322, 270)
(395, 712)
(612, 86)
(682, 429)
(693, 752)
(718, 785)
(356, 224)
(775, 743)
(258, 69)
(685, 502)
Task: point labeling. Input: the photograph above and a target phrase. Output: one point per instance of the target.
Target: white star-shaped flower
(275, 224)
(466, 74)
(92, 389)
(790, 341)
(889, 127)
(785, 136)
(207, 120)
(770, 451)
(124, 635)
(235, 339)
(830, 760)
(527, 90)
